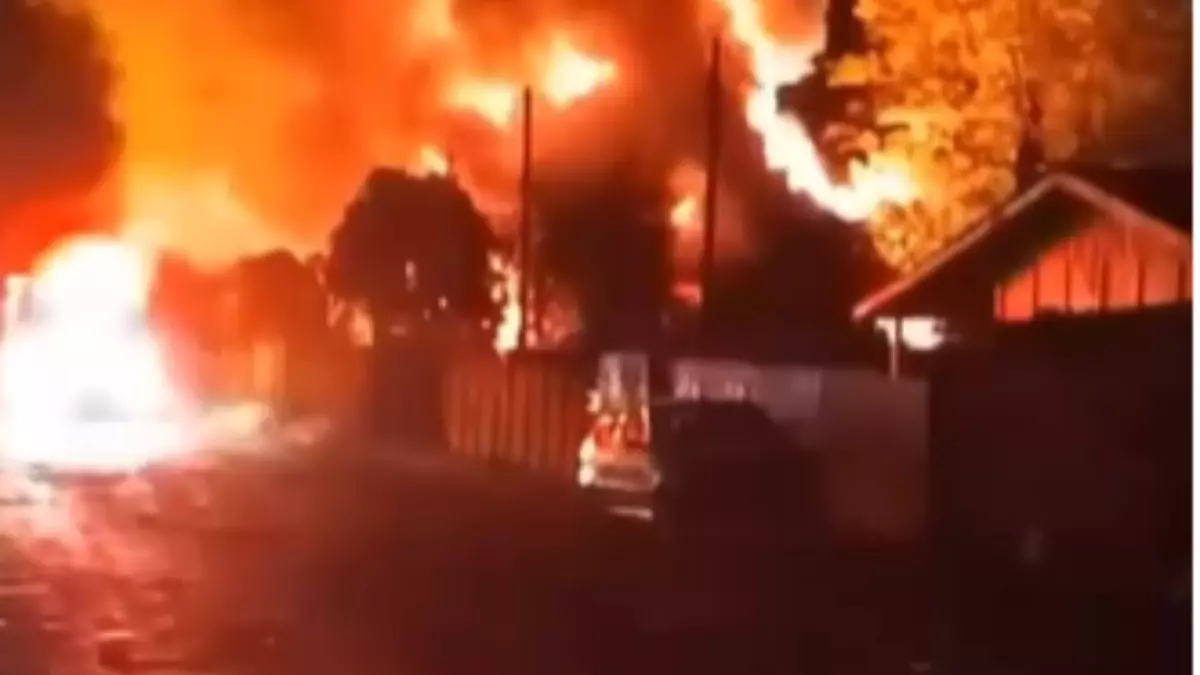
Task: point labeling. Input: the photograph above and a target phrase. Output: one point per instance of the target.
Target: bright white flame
(93, 279)
(506, 293)
(918, 333)
(83, 381)
(786, 144)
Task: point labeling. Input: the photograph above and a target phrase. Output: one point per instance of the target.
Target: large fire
(787, 146)
(83, 381)
(263, 142)
(565, 76)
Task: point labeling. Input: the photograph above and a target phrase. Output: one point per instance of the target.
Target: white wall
(871, 432)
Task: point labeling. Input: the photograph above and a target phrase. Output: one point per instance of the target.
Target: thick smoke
(56, 137)
(279, 107)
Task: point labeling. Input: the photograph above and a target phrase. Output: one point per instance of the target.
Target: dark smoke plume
(57, 139)
(291, 102)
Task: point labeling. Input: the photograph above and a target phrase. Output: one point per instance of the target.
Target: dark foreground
(360, 560)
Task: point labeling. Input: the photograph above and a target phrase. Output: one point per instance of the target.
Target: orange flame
(166, 209)
(787, 146)
(570, 74)
(91, 339)
(494, 101)
(203, 157)
(506, 293)
(432, 162)
(687, 184)
(683, 213)
(567, 74)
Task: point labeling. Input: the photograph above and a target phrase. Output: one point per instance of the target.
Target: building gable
(1110, 263)
(1065, 245)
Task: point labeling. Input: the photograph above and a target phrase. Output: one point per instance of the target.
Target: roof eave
(878, 302)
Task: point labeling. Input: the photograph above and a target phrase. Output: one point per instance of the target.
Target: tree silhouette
(279, 301)
(953, 92)
(808, 271)
(186, 299)
(279, 297)
(607, 242)
(412, 250)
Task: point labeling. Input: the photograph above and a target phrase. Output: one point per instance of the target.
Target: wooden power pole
(712, 162)
(525, 235)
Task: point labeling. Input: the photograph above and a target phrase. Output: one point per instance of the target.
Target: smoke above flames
(248, 124)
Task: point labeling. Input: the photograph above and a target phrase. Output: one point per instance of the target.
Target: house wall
(527, 410)
(1109, 265)
(1061, 499)
(872, 432)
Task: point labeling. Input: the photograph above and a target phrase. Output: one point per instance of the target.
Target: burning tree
(951, 88)
(412, 250)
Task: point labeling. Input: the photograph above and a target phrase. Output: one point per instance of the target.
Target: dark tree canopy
(413, 248)
(57, 137)
(187, 299)
(279, 296)
(804, 276)
(607, 241)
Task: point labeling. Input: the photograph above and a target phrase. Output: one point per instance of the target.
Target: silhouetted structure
(526, 233)
(279, 296)
(1080, 242)
(608, 243)
(1061, 457)
(712, 174)
(414, 251)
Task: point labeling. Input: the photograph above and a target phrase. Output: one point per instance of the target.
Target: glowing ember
(506, 293)
(683, 213)
(918, 333)
(786, 144)
(688, 292)
(687, 184)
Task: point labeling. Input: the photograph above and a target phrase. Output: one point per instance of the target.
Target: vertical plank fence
(523, 411)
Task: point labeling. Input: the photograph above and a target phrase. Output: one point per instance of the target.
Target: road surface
(368, 560)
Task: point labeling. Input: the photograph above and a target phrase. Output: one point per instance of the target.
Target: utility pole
(712, 162)
(525, 255)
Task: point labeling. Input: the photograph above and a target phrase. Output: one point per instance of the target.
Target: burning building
(222, 159)
(261, 144)
(1080, 245)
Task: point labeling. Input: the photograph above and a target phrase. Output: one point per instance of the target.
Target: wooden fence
(526, 411)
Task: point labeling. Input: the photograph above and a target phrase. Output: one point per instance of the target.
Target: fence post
(895, 348)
